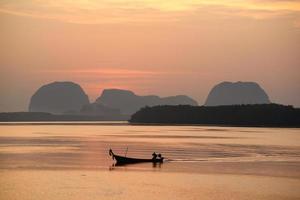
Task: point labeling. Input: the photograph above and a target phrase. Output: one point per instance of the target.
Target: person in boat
(111, 153)
(159, 156)
(154, 156)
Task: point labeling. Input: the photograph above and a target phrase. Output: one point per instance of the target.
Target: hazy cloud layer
(116, 11)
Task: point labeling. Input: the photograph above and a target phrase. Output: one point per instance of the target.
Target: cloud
(104, 72)
(120, 11)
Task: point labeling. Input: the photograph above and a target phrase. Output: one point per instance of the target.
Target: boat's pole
(126, 151)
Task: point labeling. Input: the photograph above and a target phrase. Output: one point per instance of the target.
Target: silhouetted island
(272, 115)
(58, 98)
(128, 102)
(68, 98)
(228, 93)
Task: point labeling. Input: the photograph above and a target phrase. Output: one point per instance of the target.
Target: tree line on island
(272, 115)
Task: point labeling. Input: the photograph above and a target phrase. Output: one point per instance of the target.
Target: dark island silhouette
(228, 93)
(128, 102)
(272, 115)
(66, 101)
(58, 98)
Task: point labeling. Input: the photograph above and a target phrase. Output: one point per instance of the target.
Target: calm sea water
(72, 158)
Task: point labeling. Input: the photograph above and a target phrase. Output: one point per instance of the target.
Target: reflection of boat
(126, 160)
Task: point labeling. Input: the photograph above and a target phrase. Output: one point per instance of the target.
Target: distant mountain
(129, 103)
(99, 109)
(58, 98)
(228, 93)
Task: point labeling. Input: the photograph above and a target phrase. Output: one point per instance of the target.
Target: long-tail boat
(121, 160)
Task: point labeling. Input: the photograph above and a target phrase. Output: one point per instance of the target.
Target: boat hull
(126, 160)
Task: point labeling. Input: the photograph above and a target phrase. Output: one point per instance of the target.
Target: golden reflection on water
(129, 185)
(87, 145)
(63, 161)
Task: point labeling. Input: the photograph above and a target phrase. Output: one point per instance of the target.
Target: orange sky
(149, 46)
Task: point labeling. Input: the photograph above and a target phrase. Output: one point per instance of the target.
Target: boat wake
(184, 160)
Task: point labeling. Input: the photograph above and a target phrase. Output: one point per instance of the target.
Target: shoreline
(122, 123)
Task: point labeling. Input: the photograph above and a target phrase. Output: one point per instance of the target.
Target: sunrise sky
(149, 46)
